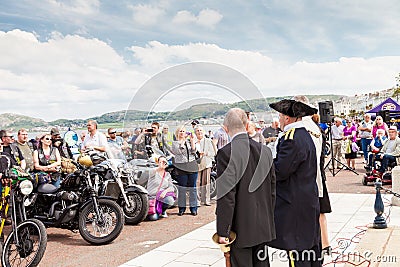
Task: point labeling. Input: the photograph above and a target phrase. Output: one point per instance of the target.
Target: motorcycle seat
(47, 188)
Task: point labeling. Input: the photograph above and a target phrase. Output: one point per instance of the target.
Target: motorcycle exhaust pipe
(225, 248)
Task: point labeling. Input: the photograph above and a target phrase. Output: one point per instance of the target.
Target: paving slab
(349, 231)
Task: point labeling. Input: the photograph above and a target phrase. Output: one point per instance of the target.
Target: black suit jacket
(245, 191)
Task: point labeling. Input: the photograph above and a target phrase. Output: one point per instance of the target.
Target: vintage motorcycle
(76, 205)
(26, 244)
(115, 178)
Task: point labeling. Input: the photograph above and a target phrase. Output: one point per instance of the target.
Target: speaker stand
(332, 159)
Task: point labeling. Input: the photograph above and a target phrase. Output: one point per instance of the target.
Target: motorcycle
(115, 178)
(27, 241)
(76, 205)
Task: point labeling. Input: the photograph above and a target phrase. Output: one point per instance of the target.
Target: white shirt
(98, 139)
(337, 132)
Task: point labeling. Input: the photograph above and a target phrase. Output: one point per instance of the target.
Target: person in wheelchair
(375, 147)
(389, 153)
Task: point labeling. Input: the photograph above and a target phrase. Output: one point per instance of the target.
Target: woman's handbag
(153, 201)
(152, 206)
(191, 166)
(348, 147)
(354, 147)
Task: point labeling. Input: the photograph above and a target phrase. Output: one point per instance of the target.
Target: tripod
(333, 159)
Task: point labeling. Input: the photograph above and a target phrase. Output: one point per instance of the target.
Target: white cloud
(345, 76)
(64, 77)
(146, 15)
(207, 18)
(76, 77)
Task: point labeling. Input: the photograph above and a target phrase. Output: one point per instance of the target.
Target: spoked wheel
(32, 238)
(364, 181)
(137, 209)
(103, 230)
(213, 185)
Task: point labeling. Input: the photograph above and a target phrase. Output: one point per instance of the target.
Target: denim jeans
(187, 182)
(364, 146)
(385, 162)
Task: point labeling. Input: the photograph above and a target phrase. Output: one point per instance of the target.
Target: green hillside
(209, 110)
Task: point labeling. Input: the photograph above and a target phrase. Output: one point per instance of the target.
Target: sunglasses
(47, 138)
(12, 137)
(112, 133)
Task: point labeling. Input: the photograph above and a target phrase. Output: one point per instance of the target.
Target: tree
(396, 92)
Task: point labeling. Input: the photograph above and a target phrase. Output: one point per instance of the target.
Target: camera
(149, 130)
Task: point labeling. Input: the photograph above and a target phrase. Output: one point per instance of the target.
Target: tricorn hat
(293, 108)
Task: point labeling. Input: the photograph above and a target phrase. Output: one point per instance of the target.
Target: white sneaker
(164, 215)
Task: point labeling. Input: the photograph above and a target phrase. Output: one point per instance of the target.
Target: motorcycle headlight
(26, 187)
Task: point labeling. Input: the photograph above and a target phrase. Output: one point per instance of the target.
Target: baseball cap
(54, 131)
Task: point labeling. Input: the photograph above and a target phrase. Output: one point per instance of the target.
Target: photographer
(60, 144)
(151, 137)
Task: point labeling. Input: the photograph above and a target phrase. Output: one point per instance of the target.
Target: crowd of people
(271, 185)
(376, 139)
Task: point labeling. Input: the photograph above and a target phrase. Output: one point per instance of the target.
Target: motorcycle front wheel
(213, 185)
(106, 228)
(32, 239)
(138, 207)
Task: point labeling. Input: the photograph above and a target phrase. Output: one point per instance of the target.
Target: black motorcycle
(27, 241)
(116, 179)
(76, 205)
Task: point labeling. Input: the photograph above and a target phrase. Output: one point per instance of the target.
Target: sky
(83, 58)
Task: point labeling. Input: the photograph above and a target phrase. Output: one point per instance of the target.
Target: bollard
(396, 185)
(380, 221)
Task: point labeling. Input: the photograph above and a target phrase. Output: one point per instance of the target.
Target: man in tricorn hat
(297, 204)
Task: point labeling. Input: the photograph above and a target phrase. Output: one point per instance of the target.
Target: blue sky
(87, 57)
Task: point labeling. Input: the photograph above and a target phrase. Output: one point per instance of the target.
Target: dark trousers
(256, 256)
(310, 258)
(385, 162)
(187, 182)
(364, 146)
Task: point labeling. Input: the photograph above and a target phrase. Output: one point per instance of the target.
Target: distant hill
(209, 110)
(15, 121)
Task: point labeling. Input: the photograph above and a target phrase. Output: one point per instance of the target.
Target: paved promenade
(352, 239)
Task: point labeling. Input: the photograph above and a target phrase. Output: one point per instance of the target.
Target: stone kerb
(396, 185)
